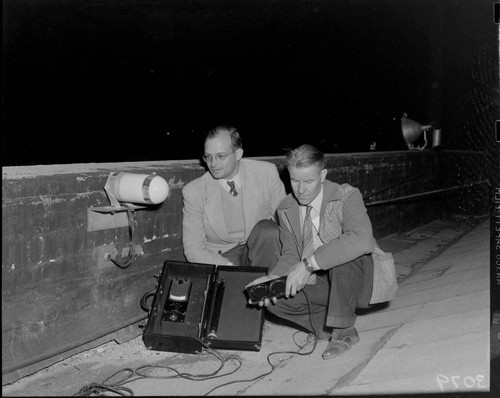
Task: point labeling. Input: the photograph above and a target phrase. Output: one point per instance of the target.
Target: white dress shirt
(237, 182)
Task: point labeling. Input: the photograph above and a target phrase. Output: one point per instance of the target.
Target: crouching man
(327, 247)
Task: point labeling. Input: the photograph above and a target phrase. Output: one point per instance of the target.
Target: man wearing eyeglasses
(229, 212)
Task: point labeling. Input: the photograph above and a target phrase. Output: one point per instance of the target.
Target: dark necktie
(233, 190)
(307, 235)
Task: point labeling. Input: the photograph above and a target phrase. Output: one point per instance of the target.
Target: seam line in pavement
(417, 266)
(350, 376)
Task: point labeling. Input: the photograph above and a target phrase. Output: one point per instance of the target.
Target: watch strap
(308, 266)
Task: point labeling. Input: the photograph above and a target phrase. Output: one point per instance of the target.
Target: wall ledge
(19, 172)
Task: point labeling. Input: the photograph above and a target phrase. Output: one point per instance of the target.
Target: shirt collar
(236, 179)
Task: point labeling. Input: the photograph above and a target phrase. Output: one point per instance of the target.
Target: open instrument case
(202, 305)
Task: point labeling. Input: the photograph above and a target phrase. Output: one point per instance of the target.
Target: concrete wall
(60, 292)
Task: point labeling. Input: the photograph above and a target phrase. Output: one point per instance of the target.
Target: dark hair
(236, 141)
(305, 155)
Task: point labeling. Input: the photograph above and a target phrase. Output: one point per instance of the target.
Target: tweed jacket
(204, 233)
(345, 230)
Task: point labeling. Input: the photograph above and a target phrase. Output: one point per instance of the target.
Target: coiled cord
(127, 261)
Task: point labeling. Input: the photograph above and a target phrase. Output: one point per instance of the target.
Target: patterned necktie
(307, 235)
(233, 190)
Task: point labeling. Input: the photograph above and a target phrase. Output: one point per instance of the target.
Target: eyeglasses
(220, 157)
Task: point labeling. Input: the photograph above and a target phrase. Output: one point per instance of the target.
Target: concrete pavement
(434, 337)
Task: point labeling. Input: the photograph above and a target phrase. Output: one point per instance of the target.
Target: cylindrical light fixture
(138, 188)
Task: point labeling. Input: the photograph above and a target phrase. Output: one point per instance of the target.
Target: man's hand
(297, 278)
(265, 302)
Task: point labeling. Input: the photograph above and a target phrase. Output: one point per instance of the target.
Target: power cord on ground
(273, 367)
(143, 372)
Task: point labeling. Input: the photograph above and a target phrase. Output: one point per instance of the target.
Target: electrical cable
(273, 367)
(189, 376)
(127, 261)
(99, 389)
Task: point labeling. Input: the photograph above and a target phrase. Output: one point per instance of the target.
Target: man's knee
(348, 270)
(265, 230)
(354, 276)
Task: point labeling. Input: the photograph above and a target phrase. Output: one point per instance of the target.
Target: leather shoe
(341, 341)
(311, 337)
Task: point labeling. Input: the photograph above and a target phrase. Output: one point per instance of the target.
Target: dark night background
(124, 80)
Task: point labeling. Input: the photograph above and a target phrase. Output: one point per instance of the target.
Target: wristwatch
(308, 266)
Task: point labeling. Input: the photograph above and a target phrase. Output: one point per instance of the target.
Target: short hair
(236, 141)
(304, 156)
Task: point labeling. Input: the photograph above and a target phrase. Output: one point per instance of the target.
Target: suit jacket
(204, 233)
(345, 229)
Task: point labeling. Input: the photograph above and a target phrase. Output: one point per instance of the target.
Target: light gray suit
(204, 233)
